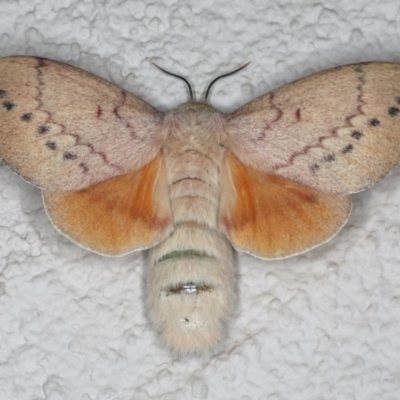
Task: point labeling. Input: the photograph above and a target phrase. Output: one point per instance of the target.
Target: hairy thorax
(193, 154)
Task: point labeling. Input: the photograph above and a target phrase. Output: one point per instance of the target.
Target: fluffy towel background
(323, 325)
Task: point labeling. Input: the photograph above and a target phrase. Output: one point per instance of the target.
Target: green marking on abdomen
(190, 253)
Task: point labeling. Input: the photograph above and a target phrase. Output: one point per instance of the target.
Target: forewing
(337, 131)
(64, 129)
(273, 217)
(116, 216)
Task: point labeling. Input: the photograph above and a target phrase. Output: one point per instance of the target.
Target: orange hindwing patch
(116, 216)
(273, 217)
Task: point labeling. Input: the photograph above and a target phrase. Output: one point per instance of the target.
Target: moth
(272, 179)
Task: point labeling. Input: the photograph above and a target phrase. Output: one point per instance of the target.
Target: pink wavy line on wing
(41, 63)
(333, 131)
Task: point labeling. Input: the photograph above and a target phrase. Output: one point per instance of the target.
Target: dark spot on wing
(43, 129)
(27, 117)
(356, 135)
(393, 111)
(2, 93)
(329, 157)
(8, 105)
(51, 145)
(347, 149)
(69, 156)
(374, 122)
(314, 168)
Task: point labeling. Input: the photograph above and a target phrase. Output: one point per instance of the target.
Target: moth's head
(203, 105)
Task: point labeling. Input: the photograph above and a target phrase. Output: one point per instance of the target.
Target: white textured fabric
(323, 325)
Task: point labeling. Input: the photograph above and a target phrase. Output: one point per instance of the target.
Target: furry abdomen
(191, 277)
